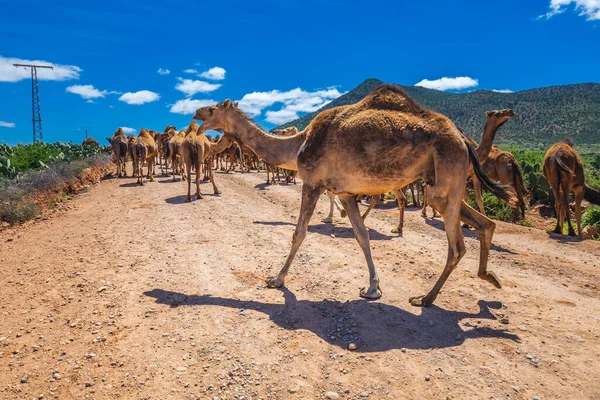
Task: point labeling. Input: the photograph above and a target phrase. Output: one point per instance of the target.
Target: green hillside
(543, 115)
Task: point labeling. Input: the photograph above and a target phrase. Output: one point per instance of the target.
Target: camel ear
(235, 104)
(488, 113)
(226, 103)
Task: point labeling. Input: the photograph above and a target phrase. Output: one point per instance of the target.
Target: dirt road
(132, 293)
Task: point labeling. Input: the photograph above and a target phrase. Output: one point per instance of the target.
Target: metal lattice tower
(36, 117)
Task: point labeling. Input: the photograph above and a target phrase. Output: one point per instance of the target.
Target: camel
(130, 142)
(500, 166)
(144, 149)
(90, 142)
(164, 150)
(563, 168)
(118, 142)
(175, 145)
(196, 149)
(378, 145)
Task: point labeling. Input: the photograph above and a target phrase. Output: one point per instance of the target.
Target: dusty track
(133, 293)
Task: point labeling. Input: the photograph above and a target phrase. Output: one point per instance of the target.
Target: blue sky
(281, 58)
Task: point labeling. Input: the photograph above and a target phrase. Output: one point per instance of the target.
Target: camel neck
(220, 146)
(489, 134)
(276, 150)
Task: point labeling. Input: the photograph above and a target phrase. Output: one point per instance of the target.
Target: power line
(36, 117)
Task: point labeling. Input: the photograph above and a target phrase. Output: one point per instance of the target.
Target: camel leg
(339, 206)
(425, 202)
(198, 172)
(372, 204)
(565, 204)
(329, 218)
(478, 195)
(188, 167)
(362, 237)
(485, 228)
(310, 196)
(150, 164)
(401, 204)
(451, 209)
(579, 191)
(212, 180)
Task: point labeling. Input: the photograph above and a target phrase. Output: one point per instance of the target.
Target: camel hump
(391, 97)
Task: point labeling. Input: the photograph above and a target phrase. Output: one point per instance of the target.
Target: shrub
(591, 217)
(494, 207)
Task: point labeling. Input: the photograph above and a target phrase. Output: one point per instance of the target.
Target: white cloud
(128, 131)
(189, 106)
(9, 73)
(445, 83)
(281, 117)
(87, 91)
(163, 71)
(4, 124)
(502, 91)
(141, 97)
(191, 87)
(295, 100)
(190, 71)
(91, 101)
(587, 8)
(214, 74)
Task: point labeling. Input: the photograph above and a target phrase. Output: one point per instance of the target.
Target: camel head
(218, 117)
(170, 128)
(500, 116)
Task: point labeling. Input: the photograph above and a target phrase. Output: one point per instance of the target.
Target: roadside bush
(591, 217)
(494, 207)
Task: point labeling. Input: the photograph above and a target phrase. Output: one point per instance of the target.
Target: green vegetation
(543, 116)
(20, 158)
(591, 217)
(28, 170)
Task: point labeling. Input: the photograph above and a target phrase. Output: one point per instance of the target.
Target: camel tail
(592, 194)
(194, 154)
(562, 166)
(505, 193)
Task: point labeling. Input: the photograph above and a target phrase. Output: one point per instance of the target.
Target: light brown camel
(164, 149)
(378, 145)
(118, 143)
(564, 170)
(175, 145)
(130, 141)
(90, 142)
(144, 149)
(196, 149)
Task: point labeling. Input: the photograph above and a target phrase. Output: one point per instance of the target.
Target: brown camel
(378, 145)
(90, 142)
(130, 141)
(196, 149)
(500, 166)
(144, 149)
(564, 170)
(164, 149)
(118, 143)
(175, 145)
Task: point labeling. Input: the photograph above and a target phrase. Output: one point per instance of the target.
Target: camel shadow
(559, 237)
(346, 232)
(439, 224)
(373, 326)
(263, 186)
(170, 180)
(177, 199)
(131, 184)
(273, 223)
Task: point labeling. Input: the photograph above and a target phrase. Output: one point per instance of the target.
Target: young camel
(196, 149)
(175, 152)
(564, 170)
(378, 145)
(144, 149)
(118, 142)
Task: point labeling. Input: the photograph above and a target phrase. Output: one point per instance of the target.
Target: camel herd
(384, 143)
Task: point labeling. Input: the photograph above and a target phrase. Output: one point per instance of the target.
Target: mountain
(543, 115)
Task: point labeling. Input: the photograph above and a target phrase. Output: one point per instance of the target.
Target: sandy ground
(132, 293)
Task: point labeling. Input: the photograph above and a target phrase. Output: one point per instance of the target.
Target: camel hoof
(343, 214)
(274, 282)
(397, 230)
(557, 230)
(199, 197)
(217, 192)
(491, 277)
(420, 301)
(572, 233)
(328, 220)
(371, 294)
(423, 215)
(188, 199)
